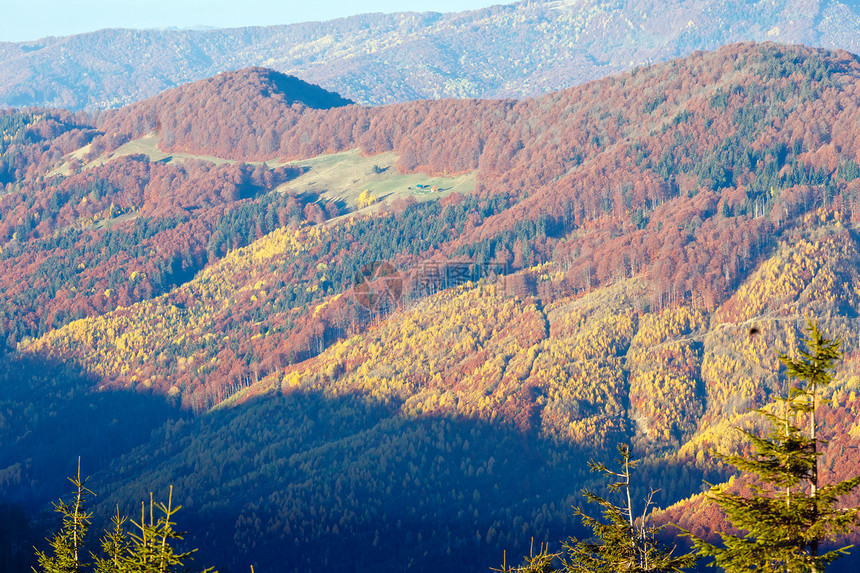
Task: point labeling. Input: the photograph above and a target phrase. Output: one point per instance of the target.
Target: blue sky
(22, 20)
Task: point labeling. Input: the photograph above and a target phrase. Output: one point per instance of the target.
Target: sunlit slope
(189, 330)
(589, 369)
(576, 369)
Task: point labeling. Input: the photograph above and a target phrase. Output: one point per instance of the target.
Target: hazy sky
(22, 20)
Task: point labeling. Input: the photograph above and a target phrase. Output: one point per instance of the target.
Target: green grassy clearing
(343, 176)
(335, 177)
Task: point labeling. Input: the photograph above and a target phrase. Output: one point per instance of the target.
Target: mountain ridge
(377, 59)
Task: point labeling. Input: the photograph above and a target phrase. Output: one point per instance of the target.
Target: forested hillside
(401, 380)
(519, 49)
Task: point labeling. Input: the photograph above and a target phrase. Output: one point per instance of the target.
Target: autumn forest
(380, 371)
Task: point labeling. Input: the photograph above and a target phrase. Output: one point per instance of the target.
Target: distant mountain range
(516, 50)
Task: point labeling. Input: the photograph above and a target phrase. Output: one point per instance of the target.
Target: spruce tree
(115, 544)
(790, 513)
(150, 549)
(623, 542)
(66, 554)
(147, 548)
(541, 562)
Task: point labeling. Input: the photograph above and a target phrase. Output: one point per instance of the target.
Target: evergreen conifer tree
(115, 544)
(790, 513)
(66, 554)
(148, 548)
(622, 543)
